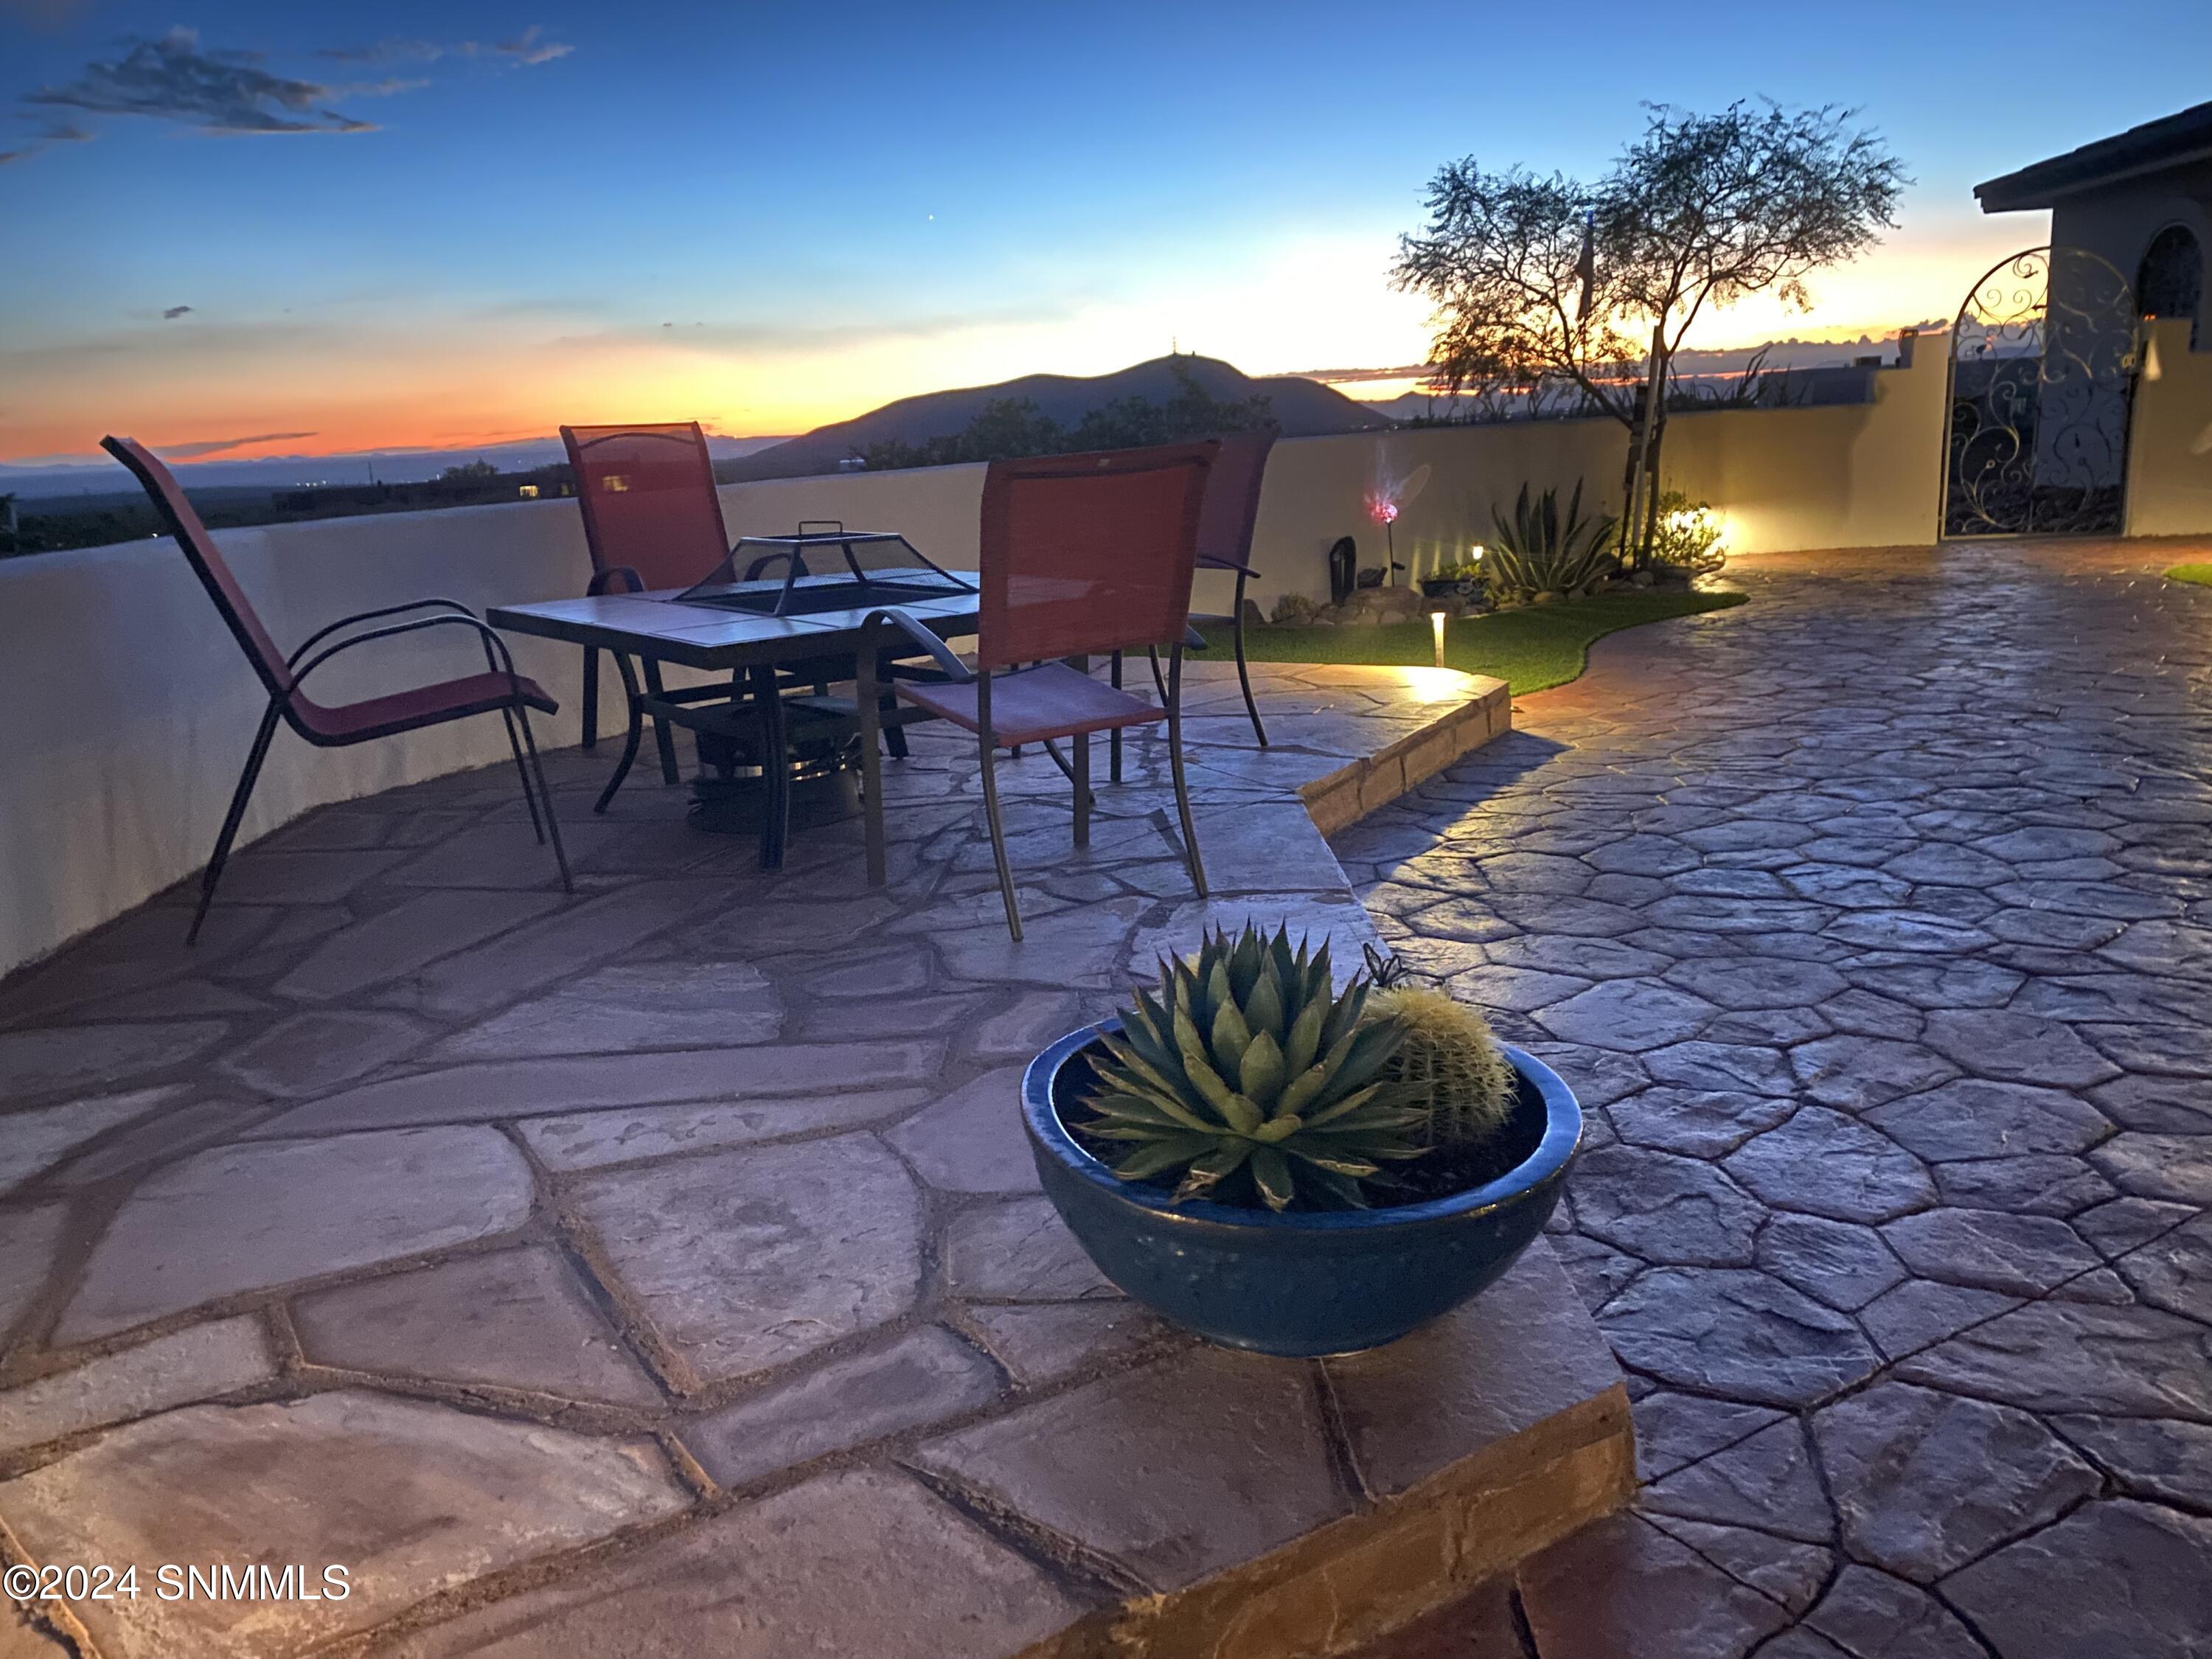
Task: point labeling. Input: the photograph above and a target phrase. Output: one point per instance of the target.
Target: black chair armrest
(503, 663)
(322, 634)
(876, 622)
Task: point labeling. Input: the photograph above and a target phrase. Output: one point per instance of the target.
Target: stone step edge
(1370, 1573)
(1348, 794)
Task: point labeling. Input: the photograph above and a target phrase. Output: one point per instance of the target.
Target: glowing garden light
(1437, 627)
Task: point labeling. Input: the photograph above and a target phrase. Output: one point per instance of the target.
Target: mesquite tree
(1548, 280)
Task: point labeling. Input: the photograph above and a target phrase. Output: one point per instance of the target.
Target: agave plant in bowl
(1286, 1165)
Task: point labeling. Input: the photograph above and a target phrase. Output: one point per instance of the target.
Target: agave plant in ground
(1251, 1075)
(1536, 552)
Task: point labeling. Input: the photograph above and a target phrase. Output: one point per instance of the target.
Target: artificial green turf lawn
(1531, 650)
(2199, 574)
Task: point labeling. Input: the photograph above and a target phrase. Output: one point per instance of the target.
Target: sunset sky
(240, 229)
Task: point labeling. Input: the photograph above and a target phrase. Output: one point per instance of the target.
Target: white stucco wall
(2170, 448)
(134, 708)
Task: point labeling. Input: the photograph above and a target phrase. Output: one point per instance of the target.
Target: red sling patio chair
(498, 690)
(1081, 555)
(1225, 537)
(652, 521)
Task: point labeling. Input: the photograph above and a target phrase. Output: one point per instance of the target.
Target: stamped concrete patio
(662, 1272)
(1875, 921)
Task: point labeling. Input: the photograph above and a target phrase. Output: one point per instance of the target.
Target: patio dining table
(734, 627)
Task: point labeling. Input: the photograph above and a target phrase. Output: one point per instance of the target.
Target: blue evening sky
(771, 216)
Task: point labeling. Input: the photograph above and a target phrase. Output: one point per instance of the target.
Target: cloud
(204, 446)
(527, 48)
(530, 46)
(175, 312)
(171, 79)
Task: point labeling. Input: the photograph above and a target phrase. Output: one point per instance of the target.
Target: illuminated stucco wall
(2170, 447)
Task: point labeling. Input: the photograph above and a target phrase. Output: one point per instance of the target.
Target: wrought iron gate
(2042, 368)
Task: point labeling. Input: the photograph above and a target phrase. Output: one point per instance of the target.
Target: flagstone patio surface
(661, 1271)
(1873, 922)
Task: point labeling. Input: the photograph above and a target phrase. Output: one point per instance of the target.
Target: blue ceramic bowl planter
(1300, 1283)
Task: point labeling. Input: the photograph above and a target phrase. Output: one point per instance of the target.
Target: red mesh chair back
(1232, 498)
(648, 497)
(207, 562)
(1087, 554)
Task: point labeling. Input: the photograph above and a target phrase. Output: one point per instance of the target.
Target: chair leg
(213, 873)
(514, 746)
(869, 700)
(1175, 766)
(1082, 745)
(998, 834)
(662, 737)
(1114, 740)
(1243, 672)
(775, 768)
(552, 824)
(591, 696)
(631, 741)
(1065, 771)
(1158, 684)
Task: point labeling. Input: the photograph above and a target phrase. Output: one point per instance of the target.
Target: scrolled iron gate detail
(2044, 352)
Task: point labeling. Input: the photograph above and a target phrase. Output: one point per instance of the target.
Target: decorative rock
(437, 1498)
(1843, 1265)
(1924, 1482)
(2023, 1254)
(1665, 1208)
(925, 1376)
(254, 1215)
(197, 1363)
(2077, 1356)
(1206, 1459)
(2152, 1568)
(1767, 1481)
(1623, 1589)
(744, 1260)
(516, 1319)
(1833, 1165)
(1736, 1332)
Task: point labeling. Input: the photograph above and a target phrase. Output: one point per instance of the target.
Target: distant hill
(1302, 407)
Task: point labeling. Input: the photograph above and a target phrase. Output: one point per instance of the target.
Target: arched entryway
(2044, 354)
